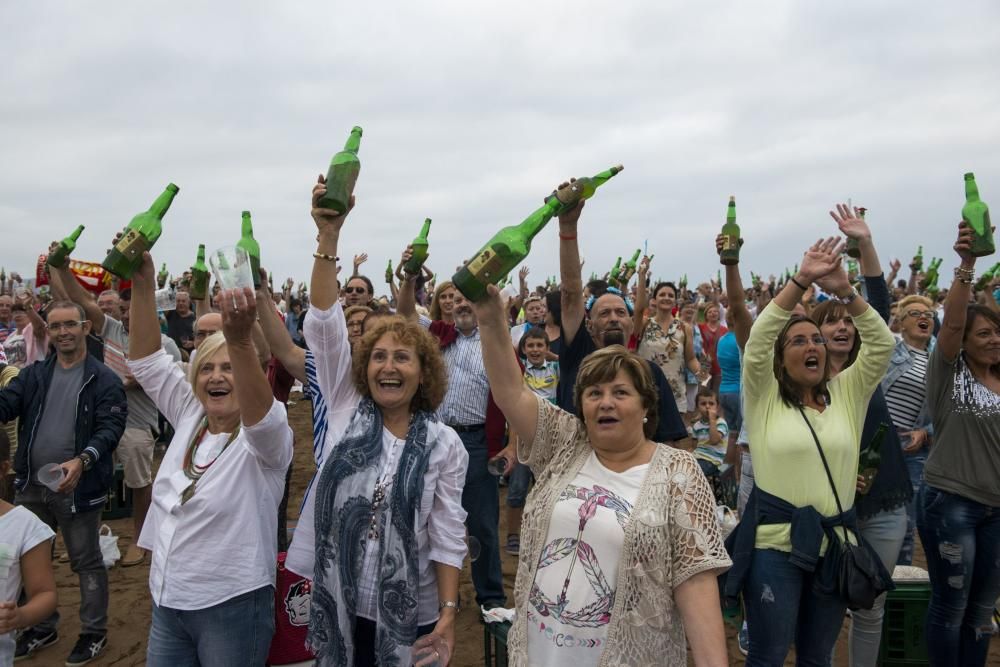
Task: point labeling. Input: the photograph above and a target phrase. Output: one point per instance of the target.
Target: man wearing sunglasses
(358, 292)
(72, 411)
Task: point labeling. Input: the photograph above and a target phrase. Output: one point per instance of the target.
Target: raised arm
(738, 316)
(518, 403)
(323, 284)
(406, 303)
(291, 356)
(854, 226)
(77, 294)
(570, 279)
(641, 298)
(253, 393)
(949, 338)
(144, 325)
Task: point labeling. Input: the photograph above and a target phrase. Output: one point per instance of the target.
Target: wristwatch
(449, 603)
(87, 460)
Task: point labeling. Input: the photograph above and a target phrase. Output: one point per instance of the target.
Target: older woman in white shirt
(213, 516)
(382, 533)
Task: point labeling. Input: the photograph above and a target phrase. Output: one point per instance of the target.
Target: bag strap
(826, 467)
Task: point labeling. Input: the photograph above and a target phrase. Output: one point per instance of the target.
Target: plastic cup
(430, 651)
(231, 267)
(497, 466)
(166, 299)
(51, 475)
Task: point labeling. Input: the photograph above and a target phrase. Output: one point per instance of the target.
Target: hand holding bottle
(571, 216)
(963, 246)
(325, 218)
(490, 310)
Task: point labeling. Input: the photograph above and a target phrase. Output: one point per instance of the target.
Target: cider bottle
(511, 245)
(853, 246)
(731, 244)
(139, 236)
(977, 215)
(199, 276)
(870, 459)
(420, 246)
(343, 174)
(388, 272)
(248, 243)
(616, 271)
(60, 254)
(630, 268)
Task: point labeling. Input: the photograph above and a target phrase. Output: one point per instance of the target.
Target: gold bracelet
(329, 258)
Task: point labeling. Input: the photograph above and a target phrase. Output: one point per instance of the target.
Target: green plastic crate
(903, 641)
(495, 644)
(119, 503)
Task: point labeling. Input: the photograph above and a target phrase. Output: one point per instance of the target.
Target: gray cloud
(473, 112)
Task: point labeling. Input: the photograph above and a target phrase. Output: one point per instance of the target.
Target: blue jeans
(481, 500)
(517, 486)
(961, 540)
(234, 633)
(782, 608)
(915, 466)
(884, 531)
(80, 531)
(732, 410)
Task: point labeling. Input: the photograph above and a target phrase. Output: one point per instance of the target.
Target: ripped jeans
(961, 539)
(783, 609)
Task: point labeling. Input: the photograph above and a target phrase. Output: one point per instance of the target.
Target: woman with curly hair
(383, 535)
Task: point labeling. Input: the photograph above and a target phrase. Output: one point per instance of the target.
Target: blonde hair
(206, 351)
(435, 304)
(910, 300)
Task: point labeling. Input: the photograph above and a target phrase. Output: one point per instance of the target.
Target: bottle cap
(173, 188)
(969, 176)
(357, 129)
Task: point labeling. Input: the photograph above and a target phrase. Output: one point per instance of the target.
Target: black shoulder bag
(860, 575)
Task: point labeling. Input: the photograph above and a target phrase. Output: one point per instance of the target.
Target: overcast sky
(473, 111)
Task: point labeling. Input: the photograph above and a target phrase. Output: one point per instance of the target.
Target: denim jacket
(899, 364)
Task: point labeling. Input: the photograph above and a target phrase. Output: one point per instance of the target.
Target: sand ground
(129, 614)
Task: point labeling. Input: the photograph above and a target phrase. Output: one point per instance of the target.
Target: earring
(645, 420)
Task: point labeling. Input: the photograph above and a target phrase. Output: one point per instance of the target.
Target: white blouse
(440, 528)
(221, 543)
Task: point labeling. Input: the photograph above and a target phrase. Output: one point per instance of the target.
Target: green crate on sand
(495, 644)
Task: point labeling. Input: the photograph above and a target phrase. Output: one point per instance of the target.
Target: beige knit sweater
(672, 534)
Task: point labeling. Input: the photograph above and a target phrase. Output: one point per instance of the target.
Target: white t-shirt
(569, 605)
(20, 532)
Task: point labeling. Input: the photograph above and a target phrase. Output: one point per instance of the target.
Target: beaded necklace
(192, 470)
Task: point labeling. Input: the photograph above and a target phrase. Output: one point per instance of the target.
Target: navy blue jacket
(101, 409)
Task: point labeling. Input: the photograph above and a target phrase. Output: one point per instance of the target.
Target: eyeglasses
(802, 341)
(355, 290)
(920, 314)
(68, 326)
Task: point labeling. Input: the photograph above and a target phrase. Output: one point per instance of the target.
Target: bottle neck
(971, 191)
(247, 227)
(353, 143)
(162, 203)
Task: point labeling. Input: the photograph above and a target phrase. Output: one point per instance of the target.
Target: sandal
(134, 556)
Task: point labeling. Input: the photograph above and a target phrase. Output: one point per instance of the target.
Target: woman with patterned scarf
(382, 536)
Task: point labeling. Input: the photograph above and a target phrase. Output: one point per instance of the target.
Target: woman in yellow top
(786, 378)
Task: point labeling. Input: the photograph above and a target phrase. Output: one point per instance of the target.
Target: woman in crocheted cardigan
(620, 548)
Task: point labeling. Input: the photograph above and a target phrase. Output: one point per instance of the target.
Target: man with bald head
(604, 319)
(110, 303)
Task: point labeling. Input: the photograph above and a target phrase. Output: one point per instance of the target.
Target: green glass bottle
(631, 266)
(977, 214)
(853, 246)
(58, 257)
(511, 245)
(199, 276)
(162, 276)
(731, 244)
(918, 259)
(420, 246)
(930, 279)
(684, 281)
(343, 174)
(985, 279)
(252, 248)
(616, 271)
(139, 236)
(870, 459)
(388, 272)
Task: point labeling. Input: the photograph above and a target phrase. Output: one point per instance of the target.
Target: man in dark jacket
(72, 411)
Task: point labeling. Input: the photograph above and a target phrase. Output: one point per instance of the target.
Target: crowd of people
(622, 415)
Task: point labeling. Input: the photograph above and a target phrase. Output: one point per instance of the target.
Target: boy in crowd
(711, 433)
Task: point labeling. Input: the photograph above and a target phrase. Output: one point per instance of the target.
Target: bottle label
(486, 265)
(730, 242)
(132, 244)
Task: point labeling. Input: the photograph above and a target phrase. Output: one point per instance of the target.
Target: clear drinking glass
(231, 266)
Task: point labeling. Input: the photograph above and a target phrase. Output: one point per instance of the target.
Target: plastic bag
(727, 519)
(109, 546)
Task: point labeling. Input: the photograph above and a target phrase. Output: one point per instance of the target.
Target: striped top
(906, 395)
(468, 386)
(319, 422)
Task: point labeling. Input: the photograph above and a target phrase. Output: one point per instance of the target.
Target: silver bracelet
(849, 299)
(449, 603)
